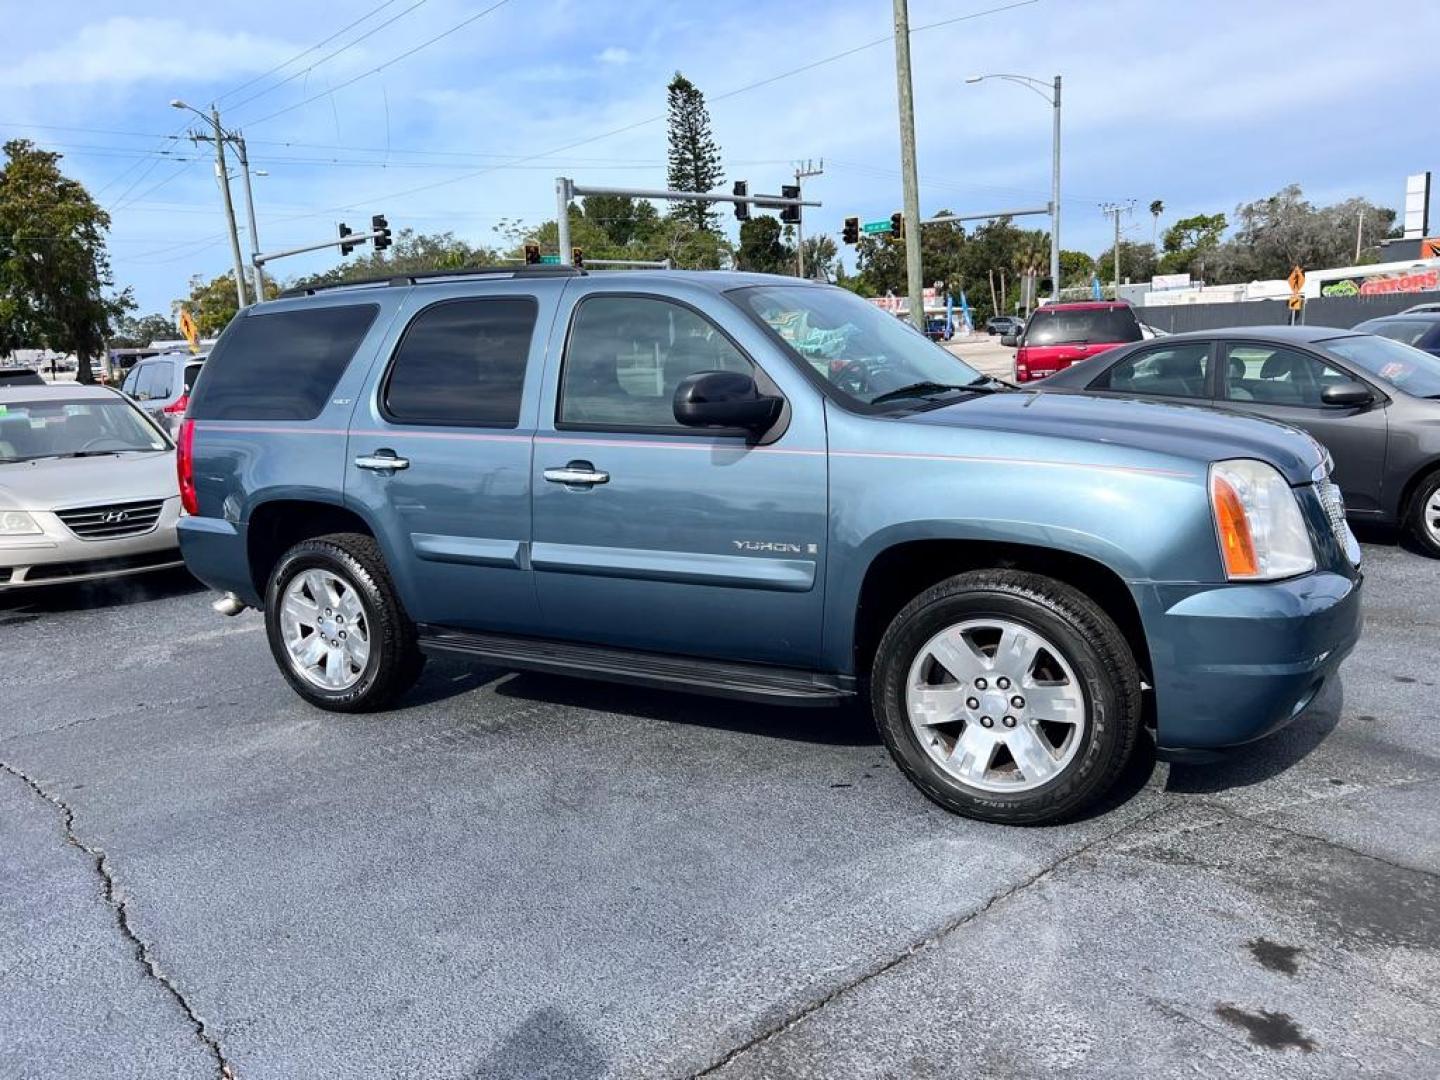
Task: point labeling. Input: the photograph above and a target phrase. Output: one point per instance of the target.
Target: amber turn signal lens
(1237, 546)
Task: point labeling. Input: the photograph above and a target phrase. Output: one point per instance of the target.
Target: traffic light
(379, 225)
(897, 225)
(742, 209)
(790, 215)
(345, 231)
(532, 254)
(851, 235)
(577, 258)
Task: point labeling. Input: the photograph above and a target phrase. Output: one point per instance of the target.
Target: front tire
(1422, 517)
(336, 627)
(1007, 697)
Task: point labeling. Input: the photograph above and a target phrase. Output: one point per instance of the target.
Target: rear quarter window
(280, 366)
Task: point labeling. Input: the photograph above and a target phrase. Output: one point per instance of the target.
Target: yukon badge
(777, 546)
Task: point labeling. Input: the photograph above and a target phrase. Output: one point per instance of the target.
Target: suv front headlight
(1258, 522)
(17, 523)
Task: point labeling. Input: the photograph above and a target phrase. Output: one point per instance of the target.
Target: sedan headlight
(17, 523)
(1258, 522)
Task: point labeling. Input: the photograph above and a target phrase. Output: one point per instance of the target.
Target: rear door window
(463, 362)
(1170, 371)
(192, 372)
(1093, 326)
(1275, 375)
(280, 365)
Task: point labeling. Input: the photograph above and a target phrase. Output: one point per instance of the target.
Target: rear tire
(1042, 714)
(1422, 517)
(336, 627)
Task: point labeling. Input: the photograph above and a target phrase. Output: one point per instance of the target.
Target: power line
(304, 52)
(379, 68)
(344, 48)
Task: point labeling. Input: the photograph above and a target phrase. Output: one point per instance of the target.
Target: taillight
(185, 466)
(178, 406)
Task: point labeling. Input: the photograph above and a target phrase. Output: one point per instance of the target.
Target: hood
(1198, 434)
(59, 483)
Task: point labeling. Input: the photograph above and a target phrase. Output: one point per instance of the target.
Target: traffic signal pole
(566, 189)
(908, 170)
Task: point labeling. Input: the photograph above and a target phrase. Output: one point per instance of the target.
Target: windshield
(1077, 326)
(1402, 366)
(1405, 331)
(860, 350)
(82, 427)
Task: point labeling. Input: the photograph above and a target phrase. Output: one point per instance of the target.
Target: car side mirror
(1013, 340)
(724, 399)
(1346, 395)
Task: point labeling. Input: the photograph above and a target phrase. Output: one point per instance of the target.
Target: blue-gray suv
(769, 489)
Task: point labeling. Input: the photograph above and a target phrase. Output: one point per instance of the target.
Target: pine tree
(694, 157)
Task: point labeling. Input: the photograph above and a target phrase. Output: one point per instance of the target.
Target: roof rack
(423, 277)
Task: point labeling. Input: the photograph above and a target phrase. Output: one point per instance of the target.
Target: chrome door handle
(381, 462)
(577, 473)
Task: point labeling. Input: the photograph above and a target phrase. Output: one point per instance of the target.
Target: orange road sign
(189, 329)
(1296, 279)
(1297, 302)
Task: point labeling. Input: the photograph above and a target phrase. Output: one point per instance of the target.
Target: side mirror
(1013, 340)
(1346, 395)
(724, 399)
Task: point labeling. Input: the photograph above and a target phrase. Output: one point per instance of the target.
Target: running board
(721, 678)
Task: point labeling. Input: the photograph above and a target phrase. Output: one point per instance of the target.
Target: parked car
(1421, 329)
(20, 377)
(1370, 400)
(87, 487)
(1004, 324)
(1420, 309)
(1059, 335)
(162, 386)
(765, 488)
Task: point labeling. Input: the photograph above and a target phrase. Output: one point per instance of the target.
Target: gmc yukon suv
(765, 488)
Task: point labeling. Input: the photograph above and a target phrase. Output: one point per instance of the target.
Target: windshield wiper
(916, 389)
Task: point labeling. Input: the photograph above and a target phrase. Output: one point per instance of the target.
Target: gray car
(87, 487)
(162, 386)
(1370, 400)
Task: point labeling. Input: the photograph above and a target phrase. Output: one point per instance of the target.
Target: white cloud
(615, 55)
(123, 50)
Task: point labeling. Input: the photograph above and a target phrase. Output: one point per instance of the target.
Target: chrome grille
(113, 521)
(1334, 504)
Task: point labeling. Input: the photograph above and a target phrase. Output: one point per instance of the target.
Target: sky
(351, 108)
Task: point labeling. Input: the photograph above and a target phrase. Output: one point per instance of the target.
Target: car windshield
(1077, 326)
(1402, 366)
(79, 427)
(866, 354)
(1405, 331)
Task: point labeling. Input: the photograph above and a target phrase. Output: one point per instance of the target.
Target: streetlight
(1050, 91)
(222, 176)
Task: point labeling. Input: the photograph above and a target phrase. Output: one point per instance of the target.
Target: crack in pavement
(142, 950)
(925, 943)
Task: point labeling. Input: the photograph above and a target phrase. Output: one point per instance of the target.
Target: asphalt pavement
(521, 876)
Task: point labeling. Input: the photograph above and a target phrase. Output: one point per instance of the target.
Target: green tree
(410, 253)
(694, 158)
(820, 257)
(1137, 262)
(212, 303)
(135, 333)
(625, 220)
(1275, 233)
(1189, 240)
(762, 248)
(54, 269)
(1076, 268)
(1157, 207)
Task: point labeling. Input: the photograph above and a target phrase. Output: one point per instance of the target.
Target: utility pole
(801, 173)
(1114, 210)
(223, 176)
(1055, 202)
(257, 283)
(994, 300)
(913, 272)
(1359, 233)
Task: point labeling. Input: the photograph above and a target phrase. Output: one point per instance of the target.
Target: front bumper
(1233, 663)
(57, 555)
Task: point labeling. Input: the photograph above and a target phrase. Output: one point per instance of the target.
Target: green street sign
(871, 227)
(550, 260)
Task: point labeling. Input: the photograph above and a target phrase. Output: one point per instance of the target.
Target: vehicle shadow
(87, 595)
(1263, 760)
(841, 725)
(1388, 536)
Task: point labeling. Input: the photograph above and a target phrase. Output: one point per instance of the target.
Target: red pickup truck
(1059, 335)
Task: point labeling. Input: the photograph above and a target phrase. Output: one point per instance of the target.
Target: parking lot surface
(523, 876)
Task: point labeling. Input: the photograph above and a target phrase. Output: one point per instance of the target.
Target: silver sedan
(87, 487)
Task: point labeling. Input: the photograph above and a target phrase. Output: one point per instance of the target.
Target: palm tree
(1032, 254)
(1156, 209)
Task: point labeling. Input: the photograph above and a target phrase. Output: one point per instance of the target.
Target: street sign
(872, 227)
(1296, 302)
(550, 260)
(189, 329)
(1296, 280)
